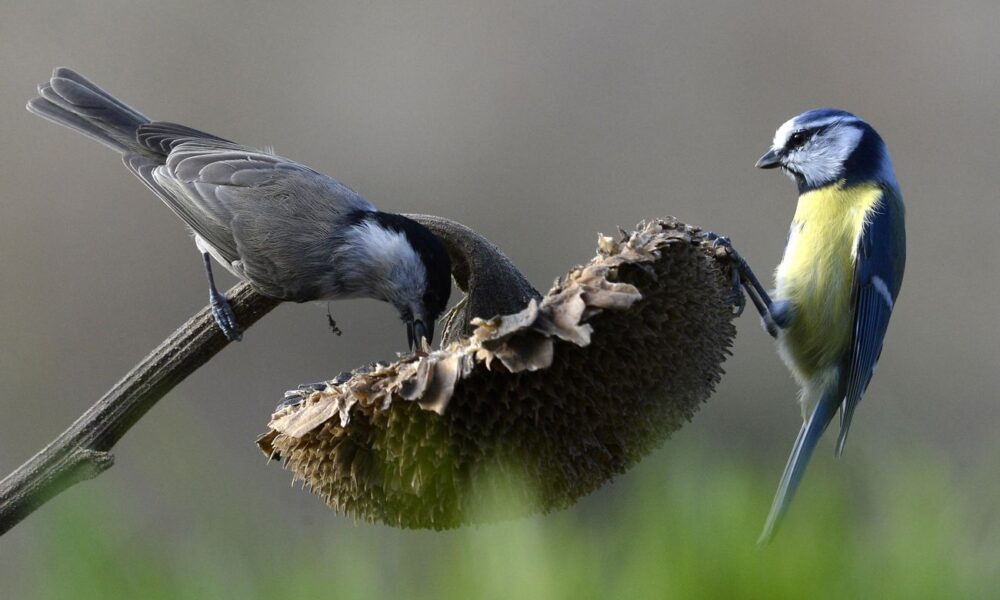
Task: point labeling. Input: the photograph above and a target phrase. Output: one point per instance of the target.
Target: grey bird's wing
(268, 219)
(273, 220)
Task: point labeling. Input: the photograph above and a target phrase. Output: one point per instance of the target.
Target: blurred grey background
(537, 123)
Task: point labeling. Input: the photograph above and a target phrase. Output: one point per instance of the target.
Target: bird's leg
(774, 315)
(736, 298)
(221, 309)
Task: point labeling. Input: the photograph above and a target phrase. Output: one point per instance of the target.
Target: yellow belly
(817, 274)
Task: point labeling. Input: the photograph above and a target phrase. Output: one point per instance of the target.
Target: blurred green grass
(682, 525)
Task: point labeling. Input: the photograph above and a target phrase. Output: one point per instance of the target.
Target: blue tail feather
(809, 436)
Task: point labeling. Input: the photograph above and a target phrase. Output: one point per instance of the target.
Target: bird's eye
(797, 139)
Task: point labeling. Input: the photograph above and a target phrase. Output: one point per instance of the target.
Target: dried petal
(619, 354)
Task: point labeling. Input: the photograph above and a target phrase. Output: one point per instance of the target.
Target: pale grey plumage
(269, 220)
(292, 232)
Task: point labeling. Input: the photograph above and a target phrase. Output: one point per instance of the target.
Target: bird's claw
(224, 316)
(718, 240)
(736, 297)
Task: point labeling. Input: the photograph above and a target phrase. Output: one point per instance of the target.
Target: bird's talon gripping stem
(774, 316)
(221, 310)
(224, 316)
(736, 298)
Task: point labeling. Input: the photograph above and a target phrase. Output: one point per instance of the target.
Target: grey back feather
(274, 221)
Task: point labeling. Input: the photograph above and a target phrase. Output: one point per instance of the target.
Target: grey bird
(293, 233)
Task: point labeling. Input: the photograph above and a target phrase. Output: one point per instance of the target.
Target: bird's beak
(770, 160)
(423, 331)
(417, 331)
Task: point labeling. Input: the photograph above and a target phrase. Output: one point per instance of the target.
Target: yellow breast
(817, 274)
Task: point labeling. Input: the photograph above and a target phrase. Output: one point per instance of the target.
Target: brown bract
(558, 397)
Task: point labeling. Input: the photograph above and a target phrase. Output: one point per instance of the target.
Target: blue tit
(839, 277)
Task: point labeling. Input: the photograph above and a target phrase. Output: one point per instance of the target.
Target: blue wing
(878, 273)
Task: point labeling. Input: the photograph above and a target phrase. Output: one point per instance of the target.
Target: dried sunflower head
(561, 396)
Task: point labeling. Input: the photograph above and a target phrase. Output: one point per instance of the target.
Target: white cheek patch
(383, 244)
(821, 160)
(386, 261)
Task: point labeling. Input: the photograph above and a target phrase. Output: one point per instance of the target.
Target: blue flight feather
(878, 274)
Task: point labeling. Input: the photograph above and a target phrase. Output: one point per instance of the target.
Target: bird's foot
(722, 242)
(224, 316)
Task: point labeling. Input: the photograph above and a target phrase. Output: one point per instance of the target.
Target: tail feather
(60, 116)
(809, 436)
(63, 76)
(71, 100)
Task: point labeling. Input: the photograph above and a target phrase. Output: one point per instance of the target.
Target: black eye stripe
(797, 139)
(801, 136)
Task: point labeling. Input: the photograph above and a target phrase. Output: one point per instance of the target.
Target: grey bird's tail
(71, 100)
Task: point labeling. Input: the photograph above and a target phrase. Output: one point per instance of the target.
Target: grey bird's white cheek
(384, 264)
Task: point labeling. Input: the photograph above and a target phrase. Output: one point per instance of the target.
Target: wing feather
(275, 220)
(161, 136)
(212, 231)
(272, 219)
(877, 277)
